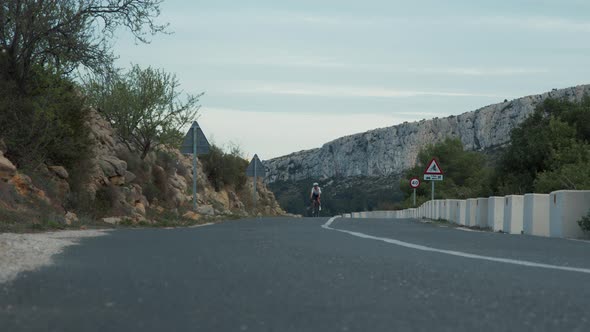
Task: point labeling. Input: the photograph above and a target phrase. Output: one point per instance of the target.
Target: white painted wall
(536, 214)
(566, 208)
(513, 214)
(481, 213)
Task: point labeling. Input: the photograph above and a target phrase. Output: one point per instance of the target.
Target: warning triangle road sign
(433, 168)
(202, 142)
(256, 168)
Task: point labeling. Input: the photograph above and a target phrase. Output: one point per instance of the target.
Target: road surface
(287, 274)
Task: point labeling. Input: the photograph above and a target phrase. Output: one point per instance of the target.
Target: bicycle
(315, 208)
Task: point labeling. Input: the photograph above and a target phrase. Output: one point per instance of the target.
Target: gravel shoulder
(28, 252)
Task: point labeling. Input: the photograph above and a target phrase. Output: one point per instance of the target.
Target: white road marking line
(453, 252)
(202, 225)
(579, 240)
(468, 230)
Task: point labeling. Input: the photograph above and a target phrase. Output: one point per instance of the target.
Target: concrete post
(470, 212)
(481, 214)
(536, 214)
(566, 208)
(513, 214)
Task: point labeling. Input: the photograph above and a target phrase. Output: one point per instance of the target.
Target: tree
(67, 34)
(548, 150)
(144, 106)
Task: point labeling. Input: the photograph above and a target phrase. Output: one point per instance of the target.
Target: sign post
(414, 183)
(195, 143)
(255, 169)
(433, 173)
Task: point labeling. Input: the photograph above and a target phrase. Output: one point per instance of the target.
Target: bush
(585, 222)
(44, 124)
(225, 169)
(167, 161)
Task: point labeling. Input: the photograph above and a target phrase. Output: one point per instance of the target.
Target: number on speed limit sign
(414, 182)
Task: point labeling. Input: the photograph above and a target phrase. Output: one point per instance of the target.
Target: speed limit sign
(414, 183)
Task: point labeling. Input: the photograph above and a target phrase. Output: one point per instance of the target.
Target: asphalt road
(294, 275)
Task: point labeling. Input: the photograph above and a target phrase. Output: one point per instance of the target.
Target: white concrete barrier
(380, 214)
(554, 215)
(470, 210)
(566, 208)
(428, 209)
(536, 214)
(460, 210)
(513, 214)
(481, 213)
(452, 210)
(444, 209)
(496, 213)
(439, 209)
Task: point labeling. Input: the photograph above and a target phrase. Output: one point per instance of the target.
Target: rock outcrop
(389, 151)
(124, 187)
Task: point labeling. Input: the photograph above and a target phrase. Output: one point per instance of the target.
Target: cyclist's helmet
(315, 184)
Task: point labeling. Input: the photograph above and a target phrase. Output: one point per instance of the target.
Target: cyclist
(316, 192)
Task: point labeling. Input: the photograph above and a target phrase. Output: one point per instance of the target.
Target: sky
(284, 76)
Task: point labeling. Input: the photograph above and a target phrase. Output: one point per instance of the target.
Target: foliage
(548, 151)
(585, 222)
(144, 106)
(465, 173)
(45, 125)
(67, 34)
(225, 168)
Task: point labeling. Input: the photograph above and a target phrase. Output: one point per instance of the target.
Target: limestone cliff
(389, 151)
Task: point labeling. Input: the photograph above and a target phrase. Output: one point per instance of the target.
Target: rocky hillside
(389, 151)
(118, 186)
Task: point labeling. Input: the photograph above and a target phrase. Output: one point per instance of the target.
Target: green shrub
(104, 201)
(160, 180)
(46, 124)
(585, 222)
(225, 169)
(167, 161)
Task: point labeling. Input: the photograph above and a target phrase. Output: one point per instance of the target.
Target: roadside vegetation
(56, 66)
(549, 151)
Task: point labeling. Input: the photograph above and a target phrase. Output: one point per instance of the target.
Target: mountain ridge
(390, 150)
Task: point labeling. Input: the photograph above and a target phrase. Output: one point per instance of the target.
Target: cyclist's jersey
(315, 194)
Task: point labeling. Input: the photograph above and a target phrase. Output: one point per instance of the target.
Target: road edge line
(453, 252)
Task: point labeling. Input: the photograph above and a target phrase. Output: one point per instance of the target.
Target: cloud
(276, 134)
(549, 23)
(479, 71)
(346, 91)
(276, 58)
